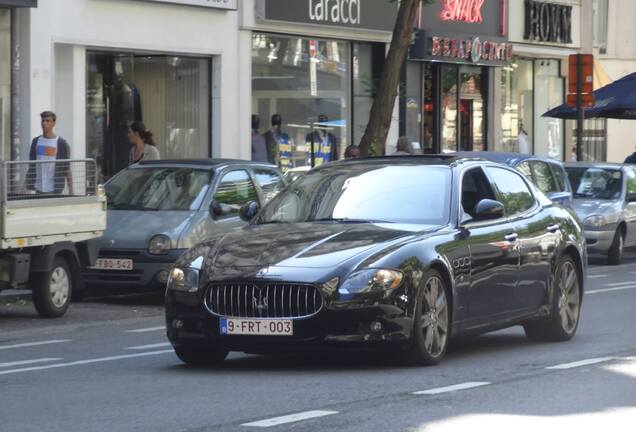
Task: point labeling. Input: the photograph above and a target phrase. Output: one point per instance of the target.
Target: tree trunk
(382, 109)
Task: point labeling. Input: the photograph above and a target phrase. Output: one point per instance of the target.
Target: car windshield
(365, 193)
(158, 188)
(596, 183)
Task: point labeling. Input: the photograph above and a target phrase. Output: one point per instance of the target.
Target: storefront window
(367, 59)
(5, 82)
(547, 95)
(516, 115)
(300, 90)
(169, 94)
(471, 100)
(413, 102)
(449, 108)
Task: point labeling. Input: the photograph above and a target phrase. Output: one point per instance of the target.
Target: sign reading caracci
(363, 14)
(217, 4)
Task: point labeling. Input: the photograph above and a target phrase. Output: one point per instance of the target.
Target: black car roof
(202, 163)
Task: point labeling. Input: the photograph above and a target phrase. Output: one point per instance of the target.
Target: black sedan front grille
(249, 300)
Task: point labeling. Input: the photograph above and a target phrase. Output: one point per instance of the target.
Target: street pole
(580, 114)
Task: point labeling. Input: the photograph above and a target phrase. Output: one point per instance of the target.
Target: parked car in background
(393, 253)
(547, 174)
(158, 209)
(605, 200)
(292, 174)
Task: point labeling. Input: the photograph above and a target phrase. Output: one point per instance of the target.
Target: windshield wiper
(348, 220)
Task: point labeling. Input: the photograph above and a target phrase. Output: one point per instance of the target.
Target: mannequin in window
(259, 146)
(522, 140)
(325, 143)
(279, 145)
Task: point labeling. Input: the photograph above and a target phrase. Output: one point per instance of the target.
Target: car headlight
(159, 245)
(595, 221)
(372, 280)
(183, 279)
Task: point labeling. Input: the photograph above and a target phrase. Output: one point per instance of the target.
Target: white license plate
(265, 327)
(113, 264)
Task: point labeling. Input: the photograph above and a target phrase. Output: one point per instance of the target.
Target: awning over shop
(19, 3)
(616, 100)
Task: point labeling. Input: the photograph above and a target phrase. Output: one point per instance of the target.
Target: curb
(14, 296)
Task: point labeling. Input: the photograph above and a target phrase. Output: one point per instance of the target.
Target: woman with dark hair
(143, 146)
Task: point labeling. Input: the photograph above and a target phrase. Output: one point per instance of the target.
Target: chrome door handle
(512, 237)
(553, 228)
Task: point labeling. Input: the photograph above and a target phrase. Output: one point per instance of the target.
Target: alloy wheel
(569, 297)
(434, 322)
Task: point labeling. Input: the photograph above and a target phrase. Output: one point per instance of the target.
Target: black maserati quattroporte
(398, 253)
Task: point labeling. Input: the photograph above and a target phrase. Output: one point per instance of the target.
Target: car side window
(543, 177)
(512, 190)
(475, 187)
(270, 182)
(524, 168)
(559, 176)
(631, 181)
(234, 190)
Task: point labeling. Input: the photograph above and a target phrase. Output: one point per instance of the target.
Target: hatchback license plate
(113, 264)
(264, 327)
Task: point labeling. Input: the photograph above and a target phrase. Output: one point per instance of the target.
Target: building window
(548, 93)
(5, 82)
(516, 103)
(169, 94)
(600, 14)
(300, 92)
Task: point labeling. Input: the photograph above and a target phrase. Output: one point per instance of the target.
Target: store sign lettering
(468, 11)
(335, 11)
(470, 49)
(547, 22)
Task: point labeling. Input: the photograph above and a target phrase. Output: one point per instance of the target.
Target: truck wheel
(52, 290)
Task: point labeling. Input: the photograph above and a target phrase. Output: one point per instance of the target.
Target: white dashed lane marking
(611, 289)
(596, 276)
(275, 421)
(32, 344)
(619, 284)
(144, 330)
(452, 388)
(151, 346)
(580, 363)
(26, 362)
(84, 362)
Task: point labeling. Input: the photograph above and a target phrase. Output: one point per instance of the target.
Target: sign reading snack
(363, 14)
(217, 4)
(548, 22)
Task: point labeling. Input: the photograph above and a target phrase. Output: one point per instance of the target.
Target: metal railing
(28, 180)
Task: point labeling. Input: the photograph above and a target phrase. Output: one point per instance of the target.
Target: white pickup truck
(47, 237)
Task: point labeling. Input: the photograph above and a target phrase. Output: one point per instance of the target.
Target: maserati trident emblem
(259, 302)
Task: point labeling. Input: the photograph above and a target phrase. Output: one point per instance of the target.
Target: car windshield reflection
(596, 183)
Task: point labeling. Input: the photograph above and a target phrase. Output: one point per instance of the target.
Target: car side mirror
(248, 211)
(488, 209)
(216, 210)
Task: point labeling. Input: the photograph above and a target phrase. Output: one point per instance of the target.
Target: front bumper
(146, 271)
(599, 241)
(337, 324)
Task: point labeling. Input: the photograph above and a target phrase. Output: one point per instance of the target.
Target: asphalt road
(107, 366)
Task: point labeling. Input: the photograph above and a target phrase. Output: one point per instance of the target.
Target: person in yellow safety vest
(279, 145)
(325, 143)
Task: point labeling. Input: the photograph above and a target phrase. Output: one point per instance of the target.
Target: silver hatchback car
(605, 200)
(159, 209)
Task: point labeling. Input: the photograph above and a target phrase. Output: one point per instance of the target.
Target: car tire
(200, 356)
(431, 326)
(563, 321)
(615, 252)
(52, 290)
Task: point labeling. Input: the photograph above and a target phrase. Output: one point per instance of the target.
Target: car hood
(588, 207)
(309, 245)
(133, 229)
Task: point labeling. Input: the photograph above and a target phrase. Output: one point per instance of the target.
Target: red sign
(587, 77)
(468, 11)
